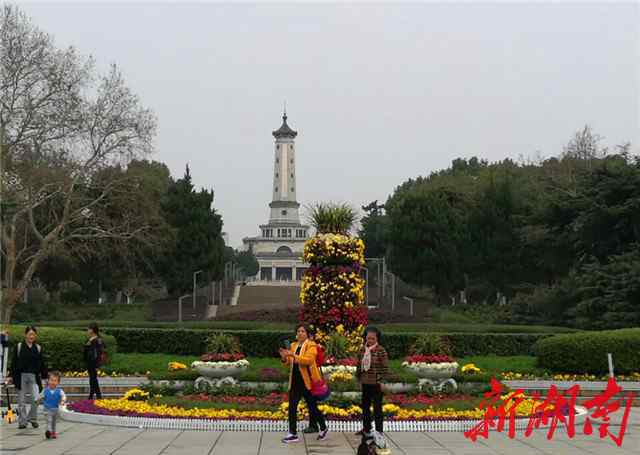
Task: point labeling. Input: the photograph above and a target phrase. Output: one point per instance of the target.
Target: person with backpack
(95, 355)
(27, 370)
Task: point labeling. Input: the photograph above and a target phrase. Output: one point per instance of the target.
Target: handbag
(320, 390)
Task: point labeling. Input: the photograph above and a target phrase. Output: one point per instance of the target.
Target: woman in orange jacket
(302, 374)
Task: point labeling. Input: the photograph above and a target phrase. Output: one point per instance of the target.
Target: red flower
(432, 358)
(225, 357)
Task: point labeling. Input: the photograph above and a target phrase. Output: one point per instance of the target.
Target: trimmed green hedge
(587, 352)
(63, 348)
(265, 343)
(395, 327)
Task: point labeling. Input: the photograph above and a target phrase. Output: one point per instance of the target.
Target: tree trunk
(10, 298)
(5, 313)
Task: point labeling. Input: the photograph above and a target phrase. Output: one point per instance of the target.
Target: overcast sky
(378, 93)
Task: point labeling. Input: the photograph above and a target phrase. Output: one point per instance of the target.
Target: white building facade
(279, 244)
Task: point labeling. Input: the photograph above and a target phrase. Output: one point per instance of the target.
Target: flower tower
(332, 290)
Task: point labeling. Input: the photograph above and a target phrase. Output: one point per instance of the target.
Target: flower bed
(328, 370)
(101, 374)
(510, 376)
(332, 289)
(274, 406)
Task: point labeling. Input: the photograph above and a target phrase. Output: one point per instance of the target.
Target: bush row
(385, 324)
(265, 343)
(587, 352)
(63, 348)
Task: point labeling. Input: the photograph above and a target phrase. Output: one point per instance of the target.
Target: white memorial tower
(279, 245)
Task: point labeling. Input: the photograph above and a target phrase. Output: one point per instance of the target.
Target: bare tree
(585, 147)
(61, 127)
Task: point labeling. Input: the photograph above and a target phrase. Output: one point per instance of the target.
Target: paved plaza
(83, 439)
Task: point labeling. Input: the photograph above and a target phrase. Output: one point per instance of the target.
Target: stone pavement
(83, 439)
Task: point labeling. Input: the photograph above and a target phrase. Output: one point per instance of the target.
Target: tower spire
(284, 114)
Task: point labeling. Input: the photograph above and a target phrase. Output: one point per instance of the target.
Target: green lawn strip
(492, 364)
(157, 365)
(456, 405)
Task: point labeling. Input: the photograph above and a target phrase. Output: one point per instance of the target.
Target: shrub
(70, 292)
(63, 348)
(256, 343)
(430, 344)
(222, 343)
(265, 343)
(586, 352)
(337, 346)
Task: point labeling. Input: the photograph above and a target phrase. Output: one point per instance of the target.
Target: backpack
(367, 447)
(38, 347)
(103, 357)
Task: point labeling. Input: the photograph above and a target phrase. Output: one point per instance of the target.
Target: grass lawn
(156, 364)
(130, 363)
(499, 364)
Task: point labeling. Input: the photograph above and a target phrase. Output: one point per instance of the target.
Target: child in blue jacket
(52, 397)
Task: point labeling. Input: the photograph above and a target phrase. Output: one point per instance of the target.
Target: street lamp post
(195, 274)
(180, 307)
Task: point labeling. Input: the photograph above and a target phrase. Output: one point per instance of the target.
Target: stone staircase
(167, 309)
(258, 298)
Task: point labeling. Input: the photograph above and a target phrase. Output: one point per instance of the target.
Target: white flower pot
(220, 369)
(435, 374)
(433, 370)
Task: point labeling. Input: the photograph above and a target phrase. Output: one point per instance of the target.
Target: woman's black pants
(297, 392)
(371, 393)
(94, 387)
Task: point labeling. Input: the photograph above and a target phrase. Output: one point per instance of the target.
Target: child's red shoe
(54, 435)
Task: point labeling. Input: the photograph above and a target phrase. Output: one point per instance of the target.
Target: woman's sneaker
(290, 438)
(323, 434)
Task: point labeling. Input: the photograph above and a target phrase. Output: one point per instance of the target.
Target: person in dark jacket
(371, 371)
(93, 350)
(27, 370)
